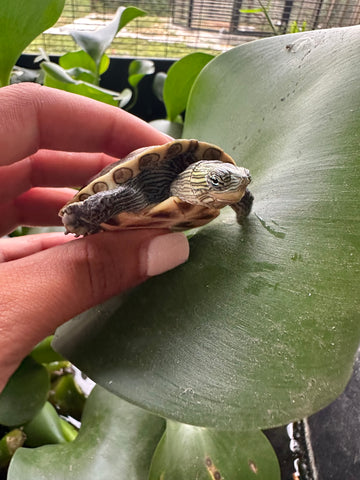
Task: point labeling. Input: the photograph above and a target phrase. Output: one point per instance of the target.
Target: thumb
(41, 291)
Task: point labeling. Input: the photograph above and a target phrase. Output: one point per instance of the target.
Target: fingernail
(166, 252)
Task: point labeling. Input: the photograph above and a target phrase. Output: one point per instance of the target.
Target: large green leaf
(20, 22)
(24, 394)
(116, 440)
(203, 454)
(262, 324)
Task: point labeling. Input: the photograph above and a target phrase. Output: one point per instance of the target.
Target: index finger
(34, 117)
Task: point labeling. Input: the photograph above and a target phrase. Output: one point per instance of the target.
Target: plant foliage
(260, 327)
(20, 23)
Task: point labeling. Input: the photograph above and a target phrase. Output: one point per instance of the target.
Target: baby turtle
(179, 185)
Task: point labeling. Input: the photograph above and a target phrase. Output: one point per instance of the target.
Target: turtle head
(225, 181)
(212, 183)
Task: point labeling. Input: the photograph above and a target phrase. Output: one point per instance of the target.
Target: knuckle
(96, 266)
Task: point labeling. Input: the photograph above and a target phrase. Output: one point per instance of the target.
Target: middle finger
(36, 207)
(48, 168)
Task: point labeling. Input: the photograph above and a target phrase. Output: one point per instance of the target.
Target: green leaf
(200, 453)
(43, 353)
(180, 79)
(57, 77)
(138, 69)
(82, 74)
(95, 43)
(173, 129)
(9, 443)
(114, 437)
(24, 394)
(81, 59)
(56, 73)
(261, 325)
(158, 85)
(20, 23)
(44, 428)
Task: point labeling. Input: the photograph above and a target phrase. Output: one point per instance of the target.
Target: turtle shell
(156, 166)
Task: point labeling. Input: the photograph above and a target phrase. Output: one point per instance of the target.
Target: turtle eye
(215, 181)
(218, 180)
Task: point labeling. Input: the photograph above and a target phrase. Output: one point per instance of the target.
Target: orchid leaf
(24, 394)
(261, 326)
(186, 452)
(114, 437)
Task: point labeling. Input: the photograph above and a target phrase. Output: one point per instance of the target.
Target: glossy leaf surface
(20, 23)
(194, 452)
(262, 324)
(44, 428)
(114, 437)
(180, 79)
(24, 394)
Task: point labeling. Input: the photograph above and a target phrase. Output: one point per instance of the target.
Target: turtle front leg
(243, 207)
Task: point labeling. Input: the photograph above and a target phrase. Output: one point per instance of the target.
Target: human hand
(46, 279)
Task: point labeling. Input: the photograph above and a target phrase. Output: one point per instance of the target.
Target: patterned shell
(155, 166)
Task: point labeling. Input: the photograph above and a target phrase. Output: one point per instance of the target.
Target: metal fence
(173, 28)
(247, 17)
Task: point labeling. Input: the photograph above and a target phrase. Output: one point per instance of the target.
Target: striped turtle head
(212, 183)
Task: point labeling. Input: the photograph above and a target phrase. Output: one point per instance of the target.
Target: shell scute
(149, 160)
(212, 154)
(122, 175)
(83, 196)
(100, 187)
(174, 149)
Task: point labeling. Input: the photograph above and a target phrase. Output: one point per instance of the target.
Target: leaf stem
(266, 13)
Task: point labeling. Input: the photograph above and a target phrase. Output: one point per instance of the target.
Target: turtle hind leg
(243, 207)
(86, 217)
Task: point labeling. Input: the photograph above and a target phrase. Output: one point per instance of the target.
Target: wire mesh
(173, 28)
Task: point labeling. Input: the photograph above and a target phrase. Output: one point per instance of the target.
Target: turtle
(179, 185)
